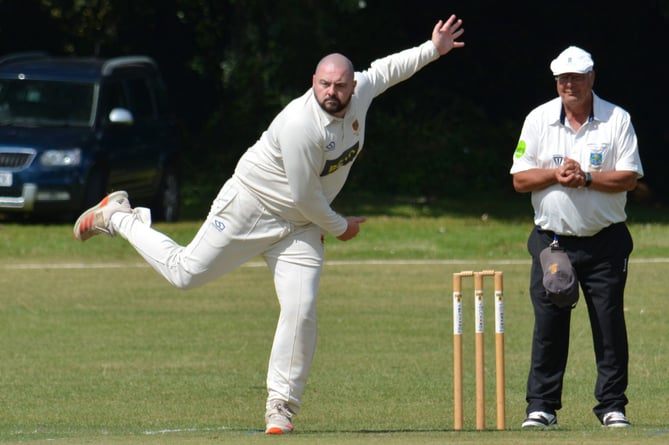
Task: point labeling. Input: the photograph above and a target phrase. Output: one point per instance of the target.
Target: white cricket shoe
(539, 419)
(615, 419)
(96, 220)
(278, 418)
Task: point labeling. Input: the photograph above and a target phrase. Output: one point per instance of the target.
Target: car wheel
(168, 198)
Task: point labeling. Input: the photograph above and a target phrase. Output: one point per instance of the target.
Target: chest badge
(596, 157)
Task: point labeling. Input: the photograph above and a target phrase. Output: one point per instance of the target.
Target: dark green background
(231, 65)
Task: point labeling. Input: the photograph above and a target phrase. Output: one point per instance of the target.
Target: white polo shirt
(607, 142)
(301, 162)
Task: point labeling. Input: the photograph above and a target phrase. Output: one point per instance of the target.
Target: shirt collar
(593, 111)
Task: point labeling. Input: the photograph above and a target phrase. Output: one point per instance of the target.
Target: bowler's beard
(333, 105)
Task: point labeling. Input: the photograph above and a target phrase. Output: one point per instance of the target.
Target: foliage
(232, 64)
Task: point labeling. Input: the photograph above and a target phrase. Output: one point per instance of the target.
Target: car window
(141, 102)
(49, 103)
(160, 93)
(112, 96)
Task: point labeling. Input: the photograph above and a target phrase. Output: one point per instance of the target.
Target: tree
(231, 65)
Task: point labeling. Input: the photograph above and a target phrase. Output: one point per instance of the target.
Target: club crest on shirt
(596, 157)
(331, 146)
(356, 126)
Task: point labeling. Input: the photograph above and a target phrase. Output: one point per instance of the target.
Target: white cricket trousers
(237, 229)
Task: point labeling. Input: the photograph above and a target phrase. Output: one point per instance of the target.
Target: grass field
(97, 349)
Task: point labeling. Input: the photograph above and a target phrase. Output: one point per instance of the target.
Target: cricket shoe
(278, 418)
(539, 419)
(97, 219)
(615, 419)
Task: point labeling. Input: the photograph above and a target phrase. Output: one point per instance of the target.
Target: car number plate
(5, 179)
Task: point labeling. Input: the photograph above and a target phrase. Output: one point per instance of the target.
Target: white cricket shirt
(606, 142)
(301, 162)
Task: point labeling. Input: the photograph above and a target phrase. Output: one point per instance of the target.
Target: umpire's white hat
(572, 60)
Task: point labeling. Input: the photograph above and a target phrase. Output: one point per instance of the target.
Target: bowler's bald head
(336, 62)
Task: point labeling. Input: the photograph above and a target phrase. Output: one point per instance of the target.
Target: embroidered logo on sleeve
(218, 224)
(520, 150)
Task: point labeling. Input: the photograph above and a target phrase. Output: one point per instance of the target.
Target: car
(73, 129)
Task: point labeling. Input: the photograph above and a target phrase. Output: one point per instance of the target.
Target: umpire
(578, 156)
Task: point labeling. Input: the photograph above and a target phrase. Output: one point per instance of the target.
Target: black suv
(73, 129)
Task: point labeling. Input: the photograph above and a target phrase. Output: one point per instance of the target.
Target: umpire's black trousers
(601, 263)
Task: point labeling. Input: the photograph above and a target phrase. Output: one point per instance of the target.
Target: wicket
(479, 347)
